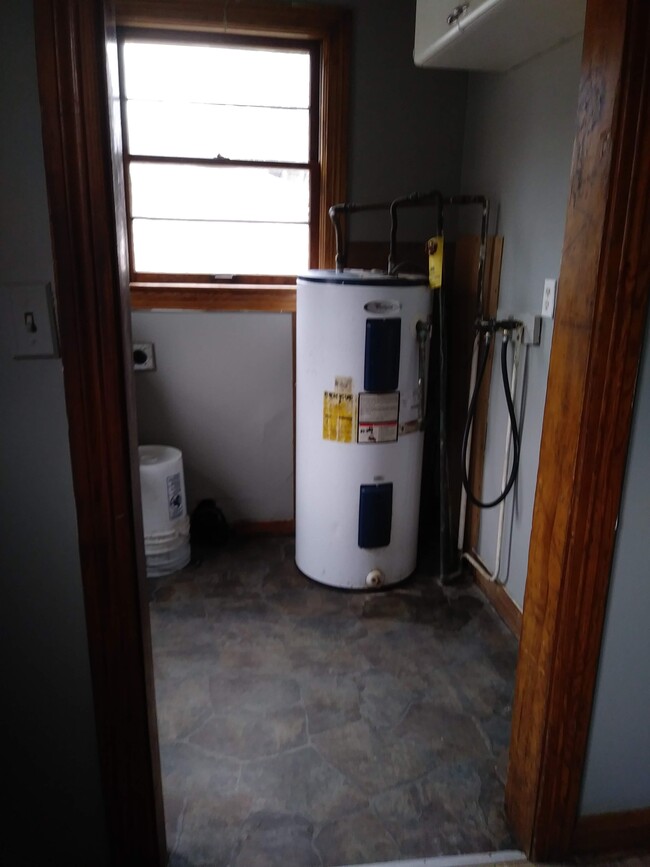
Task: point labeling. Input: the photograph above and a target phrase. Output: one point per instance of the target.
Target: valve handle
(456, 12)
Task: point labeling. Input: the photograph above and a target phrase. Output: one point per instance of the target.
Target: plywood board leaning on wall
(441, 502)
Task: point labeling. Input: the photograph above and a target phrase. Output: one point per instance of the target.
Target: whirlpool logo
(382, 307)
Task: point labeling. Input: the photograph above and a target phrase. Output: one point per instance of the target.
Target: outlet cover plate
(144, 357)
(548, 299)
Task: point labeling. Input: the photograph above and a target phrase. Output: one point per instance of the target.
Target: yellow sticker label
(338, 416)
(435, 250)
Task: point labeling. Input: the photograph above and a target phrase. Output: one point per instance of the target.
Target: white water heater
(360, 361)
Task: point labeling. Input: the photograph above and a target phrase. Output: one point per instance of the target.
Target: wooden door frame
(596, 350)
(77, 78)
(597, 343)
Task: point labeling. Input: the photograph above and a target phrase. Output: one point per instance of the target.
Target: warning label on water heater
(338, 416)
(378, 417)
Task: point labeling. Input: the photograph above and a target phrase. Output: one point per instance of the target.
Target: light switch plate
(33, 322)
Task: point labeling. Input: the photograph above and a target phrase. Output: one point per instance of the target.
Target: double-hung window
(226, 153)
(222, 155)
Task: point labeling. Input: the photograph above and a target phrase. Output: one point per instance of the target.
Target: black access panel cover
(375, 515)
(381, 370)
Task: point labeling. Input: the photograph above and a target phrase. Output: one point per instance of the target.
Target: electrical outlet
(143, 356)
(548, 300)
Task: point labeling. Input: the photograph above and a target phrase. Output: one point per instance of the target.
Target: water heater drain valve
(374, 578)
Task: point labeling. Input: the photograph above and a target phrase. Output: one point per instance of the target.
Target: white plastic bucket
(163, 488)
(166, 562)
(164, 510)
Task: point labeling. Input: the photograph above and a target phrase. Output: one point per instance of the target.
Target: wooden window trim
(203, 296)
(331, 28)
(311, 165)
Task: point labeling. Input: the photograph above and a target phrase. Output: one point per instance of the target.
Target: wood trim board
(615, 833)
(597, 342)
(501, 602)
(161, 296)
(74, 41)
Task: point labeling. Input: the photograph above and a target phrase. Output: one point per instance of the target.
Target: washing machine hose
(482, 364)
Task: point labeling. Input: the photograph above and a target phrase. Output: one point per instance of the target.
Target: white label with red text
(378, 416)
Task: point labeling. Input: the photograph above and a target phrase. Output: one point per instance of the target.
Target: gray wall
(49, 766)
(518, 145)
(617, 774)
(406, 122)
(222, 392)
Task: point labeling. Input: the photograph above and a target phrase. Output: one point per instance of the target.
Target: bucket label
(378, 417)
(174, 496)
(338, 416)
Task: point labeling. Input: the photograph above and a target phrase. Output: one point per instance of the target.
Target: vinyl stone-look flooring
(302, 725)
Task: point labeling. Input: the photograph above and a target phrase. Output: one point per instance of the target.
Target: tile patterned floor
(301, 725)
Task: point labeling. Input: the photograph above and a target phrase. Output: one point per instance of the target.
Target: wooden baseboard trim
(264, 528)
(503, 604)
(613, 833)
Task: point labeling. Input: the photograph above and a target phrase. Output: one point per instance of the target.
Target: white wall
(49, 765)
(617, 771)
(518, 144)
(222, 392)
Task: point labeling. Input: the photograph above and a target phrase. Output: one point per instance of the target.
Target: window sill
(210, 297)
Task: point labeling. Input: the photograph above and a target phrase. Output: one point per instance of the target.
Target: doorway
(97, 386)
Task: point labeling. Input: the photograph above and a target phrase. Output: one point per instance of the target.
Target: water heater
(360, 362)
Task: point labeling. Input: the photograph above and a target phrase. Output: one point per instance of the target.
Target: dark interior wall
(406, 123)
(49, 764)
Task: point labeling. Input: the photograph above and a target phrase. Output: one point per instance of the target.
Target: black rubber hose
(513, 421)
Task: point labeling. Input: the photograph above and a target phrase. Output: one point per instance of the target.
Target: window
(221, 154)
(232, 147)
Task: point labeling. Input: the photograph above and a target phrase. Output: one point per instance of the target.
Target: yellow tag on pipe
(434, 250)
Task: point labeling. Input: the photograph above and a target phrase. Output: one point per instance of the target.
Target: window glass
(216, 74)
(190, 109)
(205, 247)
(192, 192)
(235, 132)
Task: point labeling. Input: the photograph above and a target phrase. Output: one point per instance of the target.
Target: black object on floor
(208, 525)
